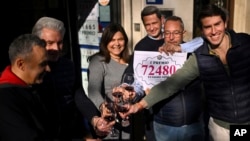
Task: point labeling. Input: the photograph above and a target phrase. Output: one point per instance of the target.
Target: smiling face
(173, 32)
(35, 66)
(153, 25)
(213, 29)
(54, 43)
(116, 45)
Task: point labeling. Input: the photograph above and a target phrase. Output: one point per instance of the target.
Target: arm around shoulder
(192, 45)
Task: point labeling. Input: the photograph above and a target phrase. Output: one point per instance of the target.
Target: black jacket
(22, 115)
(227, 90)
(183, 108)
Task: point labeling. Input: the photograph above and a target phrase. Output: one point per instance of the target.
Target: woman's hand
(101, 126)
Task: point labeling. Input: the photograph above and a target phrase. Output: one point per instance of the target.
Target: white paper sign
(85, 53)
(94, 14)
(150, 68)
(88, 33)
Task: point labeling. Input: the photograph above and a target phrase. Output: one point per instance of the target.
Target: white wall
(241, 21)
(183, 9)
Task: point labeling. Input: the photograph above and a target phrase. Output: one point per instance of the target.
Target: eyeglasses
(175, 33)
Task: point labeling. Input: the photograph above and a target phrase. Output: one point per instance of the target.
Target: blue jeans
(192, 132)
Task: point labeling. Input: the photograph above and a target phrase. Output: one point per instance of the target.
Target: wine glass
(128, 78)
(110, 115)
(123, 105)
(117, 95)
(125, 102)
(127, 81)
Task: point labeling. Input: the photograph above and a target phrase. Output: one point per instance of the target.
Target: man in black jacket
(178, 118)
(22, 114)
(152, 20)
(59, 86)
(222, 64)
(57, 90)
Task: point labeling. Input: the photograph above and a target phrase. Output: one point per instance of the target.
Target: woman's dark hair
(107, 36)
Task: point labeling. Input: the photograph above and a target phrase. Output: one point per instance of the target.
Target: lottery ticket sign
(88, 33)
(150, 68)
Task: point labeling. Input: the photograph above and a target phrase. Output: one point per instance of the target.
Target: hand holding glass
(109, 114)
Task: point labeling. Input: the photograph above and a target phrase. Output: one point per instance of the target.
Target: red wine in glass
(121, 108)
(109, 118)
(129, 88)
(111, 107)
(117, 94)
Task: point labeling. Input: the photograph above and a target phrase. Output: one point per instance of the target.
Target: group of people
(37, 89)
(221, 65)
(108, 66)
(39, 94)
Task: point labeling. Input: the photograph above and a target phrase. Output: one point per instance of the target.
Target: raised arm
(189, 47)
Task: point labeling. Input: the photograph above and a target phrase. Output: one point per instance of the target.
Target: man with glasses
(222, 63)
(153, 21)
(178, 118)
